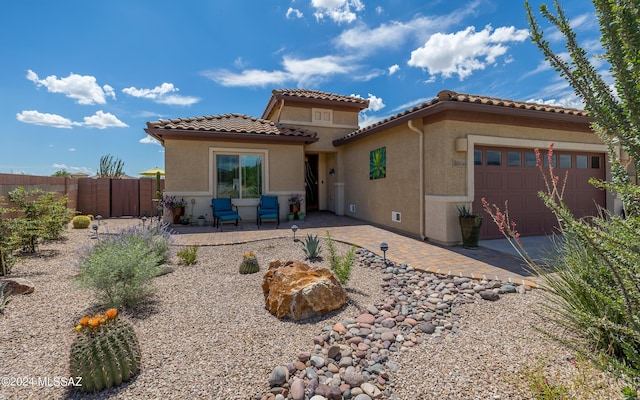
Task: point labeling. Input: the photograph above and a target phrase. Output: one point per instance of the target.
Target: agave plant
(311, 247)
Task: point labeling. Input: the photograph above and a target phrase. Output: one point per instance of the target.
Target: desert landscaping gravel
(206, 334)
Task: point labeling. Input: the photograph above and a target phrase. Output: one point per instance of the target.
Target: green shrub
(105, 351)
(120, 268)
(81, 222)
(42, 217)
(340, 264)
(188, 255)
(249, 264)
(7, 244)
(311, 247)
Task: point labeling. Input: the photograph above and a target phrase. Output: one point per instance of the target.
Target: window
(493, 157)
(565, 160)
(545, 160)
(530, 159)
(581, 161)
(477, 157)
(239, 175)
(514, 158)
(321, 115)
(595, 162)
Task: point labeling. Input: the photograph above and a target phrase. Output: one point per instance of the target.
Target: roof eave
(184, 134)
(466, 106)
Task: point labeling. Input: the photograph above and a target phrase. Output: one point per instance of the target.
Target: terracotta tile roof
(314, 96)
(318, 95)
(230, 124)
(451, 97)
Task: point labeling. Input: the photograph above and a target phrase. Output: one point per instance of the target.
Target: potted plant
(185, 219)
(201, 220)
(301, 215)
(295, 201)
(290, 216)
(176, 207)
(469, 227)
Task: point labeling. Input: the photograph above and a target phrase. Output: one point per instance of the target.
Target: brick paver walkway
(456, 261)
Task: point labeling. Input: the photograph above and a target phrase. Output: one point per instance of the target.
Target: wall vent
(396, 216)
(352, 208)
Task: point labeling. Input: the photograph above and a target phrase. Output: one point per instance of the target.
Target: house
(408, 173)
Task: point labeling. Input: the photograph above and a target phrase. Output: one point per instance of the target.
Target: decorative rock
(278, 376)
(353, 379)
(508, 289)
(489, 295)
(333, 352)
(297, 389)
(366, 318)
(329, 392)
(317, 361)
(298, 291)
(18, 285)
(371, 390)
(362, 396)
(339, 327)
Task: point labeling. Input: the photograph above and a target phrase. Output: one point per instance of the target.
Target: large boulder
(298, 291)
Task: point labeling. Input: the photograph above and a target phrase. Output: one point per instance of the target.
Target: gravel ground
(206, 334)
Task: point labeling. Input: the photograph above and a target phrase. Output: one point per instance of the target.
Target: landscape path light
(384, 247)
(294, 228)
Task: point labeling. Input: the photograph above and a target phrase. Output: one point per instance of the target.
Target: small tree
(61, 172)
(7, 245)
(43, 217)
(110, 167)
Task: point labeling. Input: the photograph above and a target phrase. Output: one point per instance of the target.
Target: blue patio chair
(222, 210)
(268, 208)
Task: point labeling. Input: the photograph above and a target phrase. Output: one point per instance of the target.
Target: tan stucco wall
(188, 165)
(375, 200)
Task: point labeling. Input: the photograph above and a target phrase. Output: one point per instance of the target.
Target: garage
(511, 174)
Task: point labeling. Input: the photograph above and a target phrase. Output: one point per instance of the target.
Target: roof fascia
(470, 107)
(176, 134)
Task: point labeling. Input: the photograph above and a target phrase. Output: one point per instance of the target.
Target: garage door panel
(520, 185)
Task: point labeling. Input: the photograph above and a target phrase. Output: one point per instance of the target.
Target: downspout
(279, 110)
(421, 176)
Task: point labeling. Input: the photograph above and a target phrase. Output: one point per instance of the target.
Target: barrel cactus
(249, 264)
(81, 222)
(105, 351)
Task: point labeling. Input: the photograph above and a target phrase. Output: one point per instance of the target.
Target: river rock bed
(353, 358)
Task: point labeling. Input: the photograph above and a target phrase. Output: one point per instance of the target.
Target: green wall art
(378, 163)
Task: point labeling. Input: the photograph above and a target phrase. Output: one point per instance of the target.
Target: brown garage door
(511, 174)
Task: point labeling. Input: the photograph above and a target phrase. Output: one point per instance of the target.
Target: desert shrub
(81, 222)
(42, 217)
(120, 268)
(249, 264)
(340, 264)
(7, 244)
(188, 255)
(591, 279)
(311, 247)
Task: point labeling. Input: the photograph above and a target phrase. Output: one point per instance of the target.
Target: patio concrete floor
(494, 259)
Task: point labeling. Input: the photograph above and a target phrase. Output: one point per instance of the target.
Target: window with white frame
(239, 176)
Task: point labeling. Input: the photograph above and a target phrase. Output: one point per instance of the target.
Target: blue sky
(80, 79)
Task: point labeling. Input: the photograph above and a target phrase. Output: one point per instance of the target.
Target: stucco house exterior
(408, 173)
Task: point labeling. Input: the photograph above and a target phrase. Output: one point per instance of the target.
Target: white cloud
(102, 120)
(393, 34)
(59, 166)
(375, 103)
(37, 118)
(85, 170)
(337, 10)
(161, 94)
(304, 72)
(393, 69)
(82, 88)
(149, 140)
(71, 149)
(379, 10)
(294, 13)
(465, 51)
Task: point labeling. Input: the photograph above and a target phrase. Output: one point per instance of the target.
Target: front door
(311, 181)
